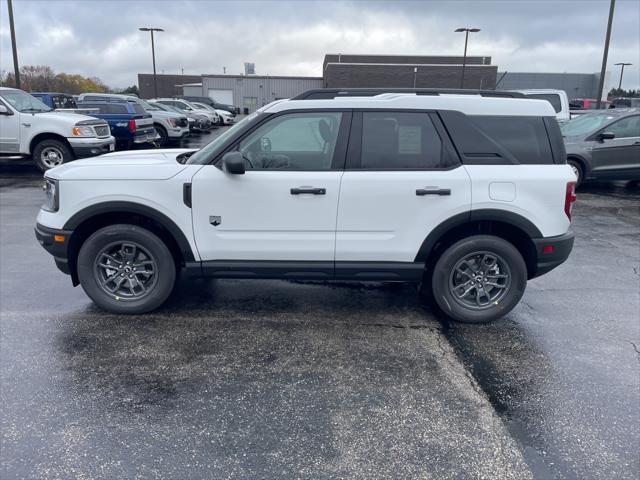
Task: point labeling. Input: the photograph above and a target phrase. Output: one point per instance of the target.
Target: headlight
(51, 195)
(172, 122)
(82, 131)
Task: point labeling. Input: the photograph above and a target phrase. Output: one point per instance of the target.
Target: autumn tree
(42, 78)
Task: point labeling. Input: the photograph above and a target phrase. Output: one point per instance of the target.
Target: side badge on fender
(215, 220)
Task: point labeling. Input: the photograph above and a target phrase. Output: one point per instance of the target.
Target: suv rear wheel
(126, 269)
(479, 279)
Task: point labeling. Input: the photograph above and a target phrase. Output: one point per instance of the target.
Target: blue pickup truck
(130, 124)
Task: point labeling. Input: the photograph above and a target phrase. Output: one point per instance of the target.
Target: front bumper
(551, 252)
(178, 132)
(89, 147)
(55, 242)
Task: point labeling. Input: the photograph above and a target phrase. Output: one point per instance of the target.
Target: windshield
(211, 149)
(585, 124)
(149, 107)
(23, 102)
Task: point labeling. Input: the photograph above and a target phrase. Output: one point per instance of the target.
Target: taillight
(569, 198)
(132, 126)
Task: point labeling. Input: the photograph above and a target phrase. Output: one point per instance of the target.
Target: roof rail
(330, 93)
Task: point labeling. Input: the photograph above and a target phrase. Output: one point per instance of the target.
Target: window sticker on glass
(409, 139)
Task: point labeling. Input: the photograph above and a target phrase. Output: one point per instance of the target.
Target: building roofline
(414, 64)
(264, 77)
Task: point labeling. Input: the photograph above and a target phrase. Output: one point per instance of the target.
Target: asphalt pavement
(276, 379)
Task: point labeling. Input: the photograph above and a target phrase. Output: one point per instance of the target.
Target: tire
(577, 169)
(479, 306)
(51, 153)
(164, 137)
(146, 252)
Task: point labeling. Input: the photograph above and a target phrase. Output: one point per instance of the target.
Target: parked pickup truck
(62, 102)
(29, 128)
(129, 122)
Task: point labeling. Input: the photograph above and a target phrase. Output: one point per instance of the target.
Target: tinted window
(625, 128)
(138, 108)
(397, 140)
(300, 141)
(552, 98)
(524, 137)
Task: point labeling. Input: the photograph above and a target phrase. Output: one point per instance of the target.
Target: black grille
(182, 122)
(101, 130)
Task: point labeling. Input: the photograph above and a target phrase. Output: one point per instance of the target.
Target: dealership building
(250, 92)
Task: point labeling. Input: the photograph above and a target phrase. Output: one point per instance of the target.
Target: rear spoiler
(330, 93)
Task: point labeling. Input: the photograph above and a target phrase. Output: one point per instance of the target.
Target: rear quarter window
(138, 108)
(552, 98)
(524, 137)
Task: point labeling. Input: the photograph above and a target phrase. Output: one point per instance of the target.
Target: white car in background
(557, 98)
(188, 107)
(226, 118)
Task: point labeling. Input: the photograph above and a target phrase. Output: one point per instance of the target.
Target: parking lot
(275, 379)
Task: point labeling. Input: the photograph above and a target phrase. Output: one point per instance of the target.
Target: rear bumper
(551, 252)
(51, 241)
(146, 137)
(89, 147)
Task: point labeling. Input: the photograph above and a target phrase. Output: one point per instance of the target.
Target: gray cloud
(101, 37)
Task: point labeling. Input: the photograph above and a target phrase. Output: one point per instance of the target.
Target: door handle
(433, 191)
(26, 124)
(308, 191)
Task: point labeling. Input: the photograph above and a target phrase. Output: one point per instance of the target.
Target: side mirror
(606, 136)
(233, 162)
(5, 111)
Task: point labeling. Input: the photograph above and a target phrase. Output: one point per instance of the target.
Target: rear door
(402, 179)
(620, 155)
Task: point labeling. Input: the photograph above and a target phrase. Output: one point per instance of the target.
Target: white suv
(468, 195)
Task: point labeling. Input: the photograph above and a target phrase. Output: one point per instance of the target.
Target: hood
(66, 118)
(156, 164)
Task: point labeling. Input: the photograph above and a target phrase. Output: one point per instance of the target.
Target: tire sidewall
(447, 261)
(164, 136)
(580, 169)
(67, 155)
(156, 247)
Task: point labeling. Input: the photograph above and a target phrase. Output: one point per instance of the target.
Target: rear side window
(401, 141)
(552, 98)
(138, 108)
(525, 138)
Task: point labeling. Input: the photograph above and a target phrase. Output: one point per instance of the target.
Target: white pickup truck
(29, 128)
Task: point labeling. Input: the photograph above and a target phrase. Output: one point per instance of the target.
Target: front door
(284, 207)
(620, 155)
(9, 131)
(402, 180)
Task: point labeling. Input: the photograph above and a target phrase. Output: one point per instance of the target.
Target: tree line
(42, 78)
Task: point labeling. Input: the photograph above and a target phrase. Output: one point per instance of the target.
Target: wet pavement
(274, 379)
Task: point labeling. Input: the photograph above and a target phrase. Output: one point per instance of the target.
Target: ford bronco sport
(466, 193)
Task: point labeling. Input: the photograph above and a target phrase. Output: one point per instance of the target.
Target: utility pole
(622, 64)
(16, 69)
(464, 57)
(605, 55)
(153, 56)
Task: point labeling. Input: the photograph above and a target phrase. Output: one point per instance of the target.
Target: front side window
(401, 141)
(625, 128)
(297, 141)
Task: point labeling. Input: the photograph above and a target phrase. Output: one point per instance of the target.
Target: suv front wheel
(479, 279)
(126, 269)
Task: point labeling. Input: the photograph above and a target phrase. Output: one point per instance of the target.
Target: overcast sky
(101, 38)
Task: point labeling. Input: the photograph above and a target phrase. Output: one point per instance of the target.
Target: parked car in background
(29, 128)
(604, 145)
(557, 98)
(197, 122)
(587, 104)
(170, 126)
(623, 102)
(130, 124)
(210, 101)
(225, 117)
(186, 106)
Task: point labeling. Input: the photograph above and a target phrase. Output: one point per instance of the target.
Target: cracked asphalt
(275, 379)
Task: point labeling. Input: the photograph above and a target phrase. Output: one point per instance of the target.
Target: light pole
(605, 54)
(622, 64)
(14, 48)
(464, 57)
(153, 56)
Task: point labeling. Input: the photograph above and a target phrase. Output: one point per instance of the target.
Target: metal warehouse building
(251, 91)
(577, 85)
